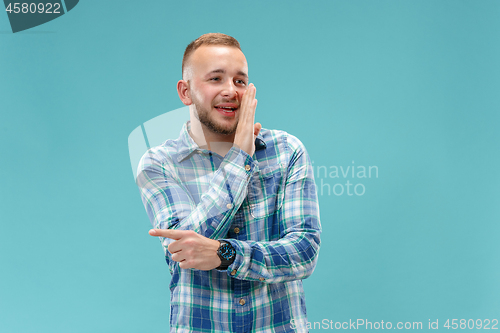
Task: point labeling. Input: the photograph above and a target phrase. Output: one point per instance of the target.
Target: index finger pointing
(167, 233)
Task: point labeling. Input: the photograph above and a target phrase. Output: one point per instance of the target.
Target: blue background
(411, 87)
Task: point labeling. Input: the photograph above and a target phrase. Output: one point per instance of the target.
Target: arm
(294, 255)
(170, 206)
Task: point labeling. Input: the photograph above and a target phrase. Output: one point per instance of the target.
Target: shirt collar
(186, 144)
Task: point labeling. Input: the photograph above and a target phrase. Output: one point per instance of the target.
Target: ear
(184, 93)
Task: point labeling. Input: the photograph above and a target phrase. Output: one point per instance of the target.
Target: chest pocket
(265, 192)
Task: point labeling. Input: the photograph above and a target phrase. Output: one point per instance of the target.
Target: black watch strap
(226, 253)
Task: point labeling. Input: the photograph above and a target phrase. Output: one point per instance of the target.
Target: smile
(225, 109)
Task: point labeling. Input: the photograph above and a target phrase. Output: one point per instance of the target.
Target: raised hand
(247, 131)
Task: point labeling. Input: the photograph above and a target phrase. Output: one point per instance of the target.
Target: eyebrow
(222, 71)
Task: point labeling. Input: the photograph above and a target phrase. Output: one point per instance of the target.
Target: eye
(214, 79)
(241, 82)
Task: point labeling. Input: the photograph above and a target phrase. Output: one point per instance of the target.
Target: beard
(205, 117)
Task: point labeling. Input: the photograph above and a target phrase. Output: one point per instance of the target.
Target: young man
(235, 205)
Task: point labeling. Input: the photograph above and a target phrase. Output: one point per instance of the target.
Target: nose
(229, 91)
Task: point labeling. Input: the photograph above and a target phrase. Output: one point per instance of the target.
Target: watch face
(226, 251)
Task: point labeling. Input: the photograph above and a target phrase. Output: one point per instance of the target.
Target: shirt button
(261, 279)
(233, 272)
(242, 301)
(236, 230)
(247, 167)
(229, 206)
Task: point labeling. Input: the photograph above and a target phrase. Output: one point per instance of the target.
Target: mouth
(227, 110)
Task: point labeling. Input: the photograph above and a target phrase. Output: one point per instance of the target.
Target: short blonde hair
(208, 39)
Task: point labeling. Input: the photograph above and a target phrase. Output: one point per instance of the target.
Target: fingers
(245, 132)
(248, 103)
(167, 233)
(257, 127)
(249, 93)
(178, 256)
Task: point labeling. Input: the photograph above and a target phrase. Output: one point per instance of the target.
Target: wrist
(214, 247)
(226, 254)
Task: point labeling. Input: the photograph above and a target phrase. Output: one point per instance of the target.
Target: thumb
(256, 128)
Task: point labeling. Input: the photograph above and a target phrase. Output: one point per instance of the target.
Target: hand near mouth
(247, 131)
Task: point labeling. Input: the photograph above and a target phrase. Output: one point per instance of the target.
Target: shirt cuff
(239, 269)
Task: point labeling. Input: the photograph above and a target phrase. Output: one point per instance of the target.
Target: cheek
(204, 94)
(211, 93)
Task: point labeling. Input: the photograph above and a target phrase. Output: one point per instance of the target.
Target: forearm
(293, 257)
(170, 205)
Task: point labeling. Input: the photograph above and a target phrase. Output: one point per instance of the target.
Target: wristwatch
(226, 254)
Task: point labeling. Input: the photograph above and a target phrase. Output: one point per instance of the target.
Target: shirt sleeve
(294, 255)
(170, 206)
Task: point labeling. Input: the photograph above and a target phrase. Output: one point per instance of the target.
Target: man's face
(218, 77)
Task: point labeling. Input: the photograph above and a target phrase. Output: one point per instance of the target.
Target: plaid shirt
(264, 205)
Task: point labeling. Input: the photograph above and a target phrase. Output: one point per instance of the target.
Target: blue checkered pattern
(265, 205)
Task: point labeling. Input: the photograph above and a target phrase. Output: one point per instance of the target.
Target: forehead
(215, 57)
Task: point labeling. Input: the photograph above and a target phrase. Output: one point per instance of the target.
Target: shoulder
(163, 154)
(279, 137)
(282, 148)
